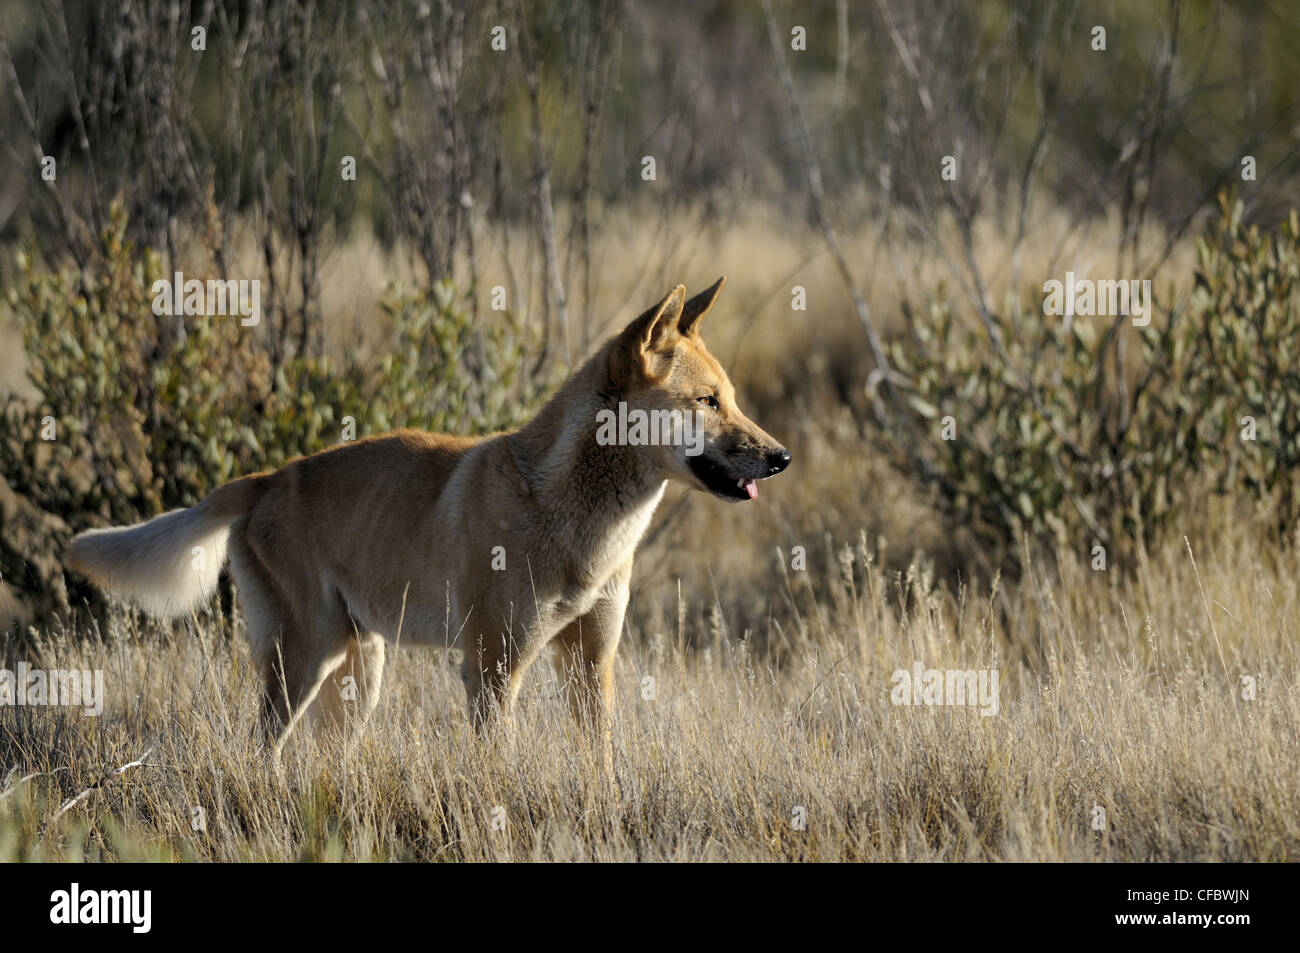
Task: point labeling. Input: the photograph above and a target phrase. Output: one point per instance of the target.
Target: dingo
(506, 543)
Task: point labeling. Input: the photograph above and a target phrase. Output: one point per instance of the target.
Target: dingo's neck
(569, 472)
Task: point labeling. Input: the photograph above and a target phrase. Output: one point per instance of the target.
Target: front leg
(494, 669)
(586, 648)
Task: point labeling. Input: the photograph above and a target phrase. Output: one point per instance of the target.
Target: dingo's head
(661, 370)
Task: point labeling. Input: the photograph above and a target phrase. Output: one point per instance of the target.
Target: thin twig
(116, 773)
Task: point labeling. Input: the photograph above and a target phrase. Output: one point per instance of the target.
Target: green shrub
(150, 413)
(1246, 309)
(1099, 432)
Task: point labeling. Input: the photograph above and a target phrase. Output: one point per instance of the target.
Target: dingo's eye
(708, 400)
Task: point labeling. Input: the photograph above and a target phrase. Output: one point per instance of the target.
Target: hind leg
(292, 676)
(350, 692)
(294, 660)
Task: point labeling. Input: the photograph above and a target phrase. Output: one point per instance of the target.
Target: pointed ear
(655, 327)
(700, 305)
(635, 348)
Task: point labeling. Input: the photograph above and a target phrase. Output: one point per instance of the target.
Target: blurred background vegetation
(794, 146)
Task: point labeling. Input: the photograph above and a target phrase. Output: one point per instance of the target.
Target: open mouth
(721, 482)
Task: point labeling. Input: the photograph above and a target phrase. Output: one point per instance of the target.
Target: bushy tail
(170, 564)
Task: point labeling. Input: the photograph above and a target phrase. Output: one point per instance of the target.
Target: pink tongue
(752, 489)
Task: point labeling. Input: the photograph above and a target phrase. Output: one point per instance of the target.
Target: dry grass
(1113, 693)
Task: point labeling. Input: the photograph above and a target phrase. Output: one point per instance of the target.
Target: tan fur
(336, 552)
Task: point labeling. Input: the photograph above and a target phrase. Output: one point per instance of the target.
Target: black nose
(777, 461)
